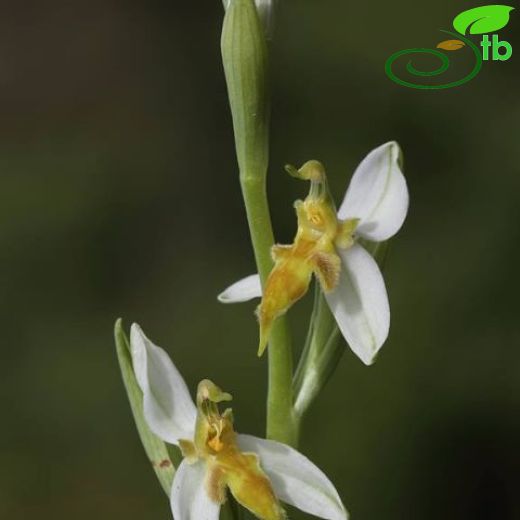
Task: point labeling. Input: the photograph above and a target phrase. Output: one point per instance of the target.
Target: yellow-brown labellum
(226, 466)
(312, 252)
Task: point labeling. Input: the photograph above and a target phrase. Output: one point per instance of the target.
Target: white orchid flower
(374, 208)
(259, 473)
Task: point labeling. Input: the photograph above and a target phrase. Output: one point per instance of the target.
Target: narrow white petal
(189, 499)
(167, 405)
(242, 291)
(360, 303)
(377, 194)
(295, 479)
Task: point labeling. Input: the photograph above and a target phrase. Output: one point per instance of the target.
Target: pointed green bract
(156, 450)
(482, 20)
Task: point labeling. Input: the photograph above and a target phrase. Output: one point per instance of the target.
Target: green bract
(155, 448)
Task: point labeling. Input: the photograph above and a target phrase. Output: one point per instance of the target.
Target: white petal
(189, 499)
(242, 291)
(167, 405)
(360, 303)
(295, 479)
(377, 194)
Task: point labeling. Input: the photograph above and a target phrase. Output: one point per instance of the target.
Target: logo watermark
(478, 21)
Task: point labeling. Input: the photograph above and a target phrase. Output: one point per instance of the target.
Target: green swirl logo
(480, 20)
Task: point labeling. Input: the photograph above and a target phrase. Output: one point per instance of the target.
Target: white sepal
(377, 194)
(167, 405)
(245, 289)
(189, 498)
(360, 303)
(295, 479)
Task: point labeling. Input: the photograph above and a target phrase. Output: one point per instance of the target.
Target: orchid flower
(327, 245)
(259, 473)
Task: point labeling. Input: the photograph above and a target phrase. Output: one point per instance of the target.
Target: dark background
(120, 197)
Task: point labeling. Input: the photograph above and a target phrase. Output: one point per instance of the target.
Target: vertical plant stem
(280, 420)
(244, 55)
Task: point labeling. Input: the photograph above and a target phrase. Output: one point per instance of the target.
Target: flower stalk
(245, 56)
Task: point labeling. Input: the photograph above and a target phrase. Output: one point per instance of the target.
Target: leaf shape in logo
(450, 45)
(484, 19)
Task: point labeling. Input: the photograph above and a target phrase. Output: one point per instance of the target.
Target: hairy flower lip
(377, 198)
(172, 416)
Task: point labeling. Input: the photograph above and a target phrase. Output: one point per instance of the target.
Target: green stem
(245, 56)
(280, 420)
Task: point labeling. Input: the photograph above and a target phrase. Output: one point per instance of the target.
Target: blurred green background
(120, 198)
